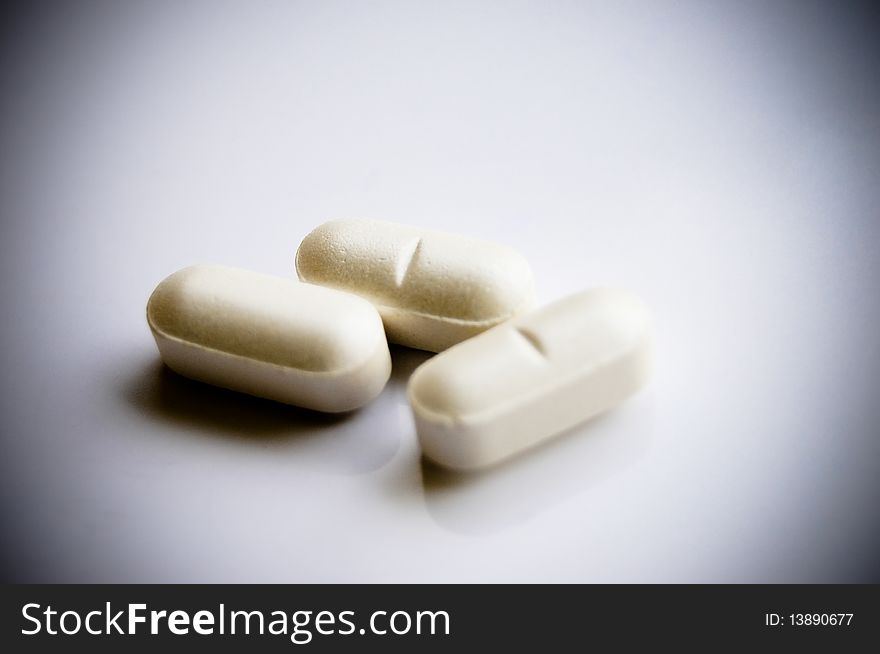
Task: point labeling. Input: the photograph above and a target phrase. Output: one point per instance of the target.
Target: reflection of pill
(522, 382)
(271, 337)
(432, 289)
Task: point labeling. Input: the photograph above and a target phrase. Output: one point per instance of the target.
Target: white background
(722, 160)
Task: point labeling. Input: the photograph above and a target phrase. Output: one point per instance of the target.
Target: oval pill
(522, 382)
(432, 289)
(270, 337)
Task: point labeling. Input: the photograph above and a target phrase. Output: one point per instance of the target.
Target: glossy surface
(721, 159)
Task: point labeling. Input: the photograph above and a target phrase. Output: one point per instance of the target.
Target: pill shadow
(161, 393)
(353, 442)
(158, 391)
(404, 361)
(518, 490)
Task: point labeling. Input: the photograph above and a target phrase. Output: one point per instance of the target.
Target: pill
(271, 337)
(432, 289)
(522, 382)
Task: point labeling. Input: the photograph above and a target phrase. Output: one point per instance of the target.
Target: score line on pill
(433, 289)
(523, 382)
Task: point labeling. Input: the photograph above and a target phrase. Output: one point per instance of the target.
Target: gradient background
(722, 159)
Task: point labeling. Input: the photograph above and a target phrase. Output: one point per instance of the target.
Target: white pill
(520, 383)
(270, 337)
(432, 289)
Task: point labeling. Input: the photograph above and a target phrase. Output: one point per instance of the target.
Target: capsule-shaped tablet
(432, 289)
(271, 337)
(522, 382)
